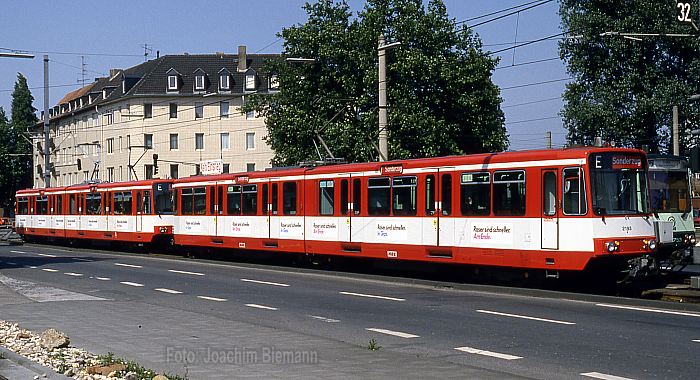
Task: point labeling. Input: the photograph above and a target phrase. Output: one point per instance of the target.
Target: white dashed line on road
(131, 283)
(264, 282)
(46, 255)
(394, 333)
(372, 296)
(50, 270)
(525, 317)
(212, 298)
(18, 252)
(604, 376)
(696, 340)
(32, 267)
(169, 291)
(80, 259)
(73, 274)
(185, 272)
(11, 263)
(128, 265)
(260, 306)
(325, 319)
(102, 278)
(476, 351)
(661, 311)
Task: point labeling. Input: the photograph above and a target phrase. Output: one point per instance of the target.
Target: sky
(112, 34)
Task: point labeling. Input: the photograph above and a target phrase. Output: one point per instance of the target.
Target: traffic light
(80, 164)
(695, 159)
(155, 163)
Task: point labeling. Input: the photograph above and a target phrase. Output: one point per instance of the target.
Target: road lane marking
(46, 255)
(661, 311)
(11, 262)
(18, 252)
(128, 265)
(50, 270)
(169, 291)
(264, 282)
(80, 259)
(394, 333)
(604, 376)
(131, 283)
(212, 298)
(372, 296)
(696, 340)
(471, 350)
(102, 278)
(525, 317)
(32, 267)
(325, 319)
(73, 274)
(185, 272)
(260, 306)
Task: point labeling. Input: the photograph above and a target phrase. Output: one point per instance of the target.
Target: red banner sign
(392, 169)
(626, 162)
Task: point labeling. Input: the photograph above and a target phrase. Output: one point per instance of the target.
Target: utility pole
(383, 139)
(548, 139)
(674, 136)
(47, 158)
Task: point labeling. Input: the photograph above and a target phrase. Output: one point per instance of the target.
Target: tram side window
(509, 192)
(446, 194)
(250, 199)
(59, 205)
(405, 195)
(146, 202)
(72, 205)
(378, 196)
(187, 200)
(42, 205)
(289, 198)
(344, 195)
(23, 206)
(573, 192)
(118, 204)
(475, 193)
(93, 203)
(265, 195)
(233, 200)
(275, 199)
(199, 200)
(356, 196)
(326, 197)
(430, 195)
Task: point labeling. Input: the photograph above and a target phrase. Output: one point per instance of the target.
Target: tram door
(549, 218)
(139, 212)
(445, 223)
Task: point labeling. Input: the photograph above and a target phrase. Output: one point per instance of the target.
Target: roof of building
(150, 78)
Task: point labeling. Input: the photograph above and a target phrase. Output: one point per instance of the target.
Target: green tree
(15, 149)
(441, 97)
(624, 88)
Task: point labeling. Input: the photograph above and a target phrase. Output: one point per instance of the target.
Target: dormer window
(274, 82)
(224, 80)
(250, 80)
(199, 82)
(172, 82)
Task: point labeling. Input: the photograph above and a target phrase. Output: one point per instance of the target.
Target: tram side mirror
(602, 211)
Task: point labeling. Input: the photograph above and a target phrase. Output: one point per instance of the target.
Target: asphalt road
(476, 331)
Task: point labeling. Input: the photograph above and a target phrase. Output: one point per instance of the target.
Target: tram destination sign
(616, 161)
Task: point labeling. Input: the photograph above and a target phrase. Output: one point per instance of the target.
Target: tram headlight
(611, 246)
(163, 230)
(652, 244)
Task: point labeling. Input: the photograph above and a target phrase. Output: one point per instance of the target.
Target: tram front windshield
(619, 184)
(164, 198)
(669, 191)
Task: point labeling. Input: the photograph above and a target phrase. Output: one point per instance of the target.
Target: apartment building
(160, 119)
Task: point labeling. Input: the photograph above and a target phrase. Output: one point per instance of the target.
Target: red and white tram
(558, 210)
(137, 212)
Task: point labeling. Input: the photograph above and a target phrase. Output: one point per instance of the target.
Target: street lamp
(383, 139)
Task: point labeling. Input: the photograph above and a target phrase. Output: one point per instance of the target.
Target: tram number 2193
(684, 9)
(626, 229)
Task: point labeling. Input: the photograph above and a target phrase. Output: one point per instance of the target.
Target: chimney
(157, 53)
(242, 59)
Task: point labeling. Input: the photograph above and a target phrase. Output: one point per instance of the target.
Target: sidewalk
(180, 342)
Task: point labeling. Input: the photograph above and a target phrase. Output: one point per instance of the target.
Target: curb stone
(31, 365)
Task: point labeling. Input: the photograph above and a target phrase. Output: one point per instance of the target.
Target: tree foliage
(624, 88)
(441, 97)
(15, 149)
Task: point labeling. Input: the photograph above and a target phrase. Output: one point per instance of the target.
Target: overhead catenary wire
(536, 83)
(523, 8)
(71, 53)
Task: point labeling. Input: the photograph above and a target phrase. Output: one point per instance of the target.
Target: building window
(199, 82)
(120, 145)
(225, 141)
(250, 167)
(148, 141)
(224, 82)
(173, 110)
(110, 146)
(147, 110)
(174, 171)
(199, 141)
(250, 82)
(250, 140)
(148, 171)
(274, 82)
(110, 174)
(223, 110)
(227, 168)
(110, 118)
(250, 115)
(121, 173)
(198, 110)
(172, 82)
(173, 141)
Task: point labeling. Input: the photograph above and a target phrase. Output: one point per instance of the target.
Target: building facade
(159, 119)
